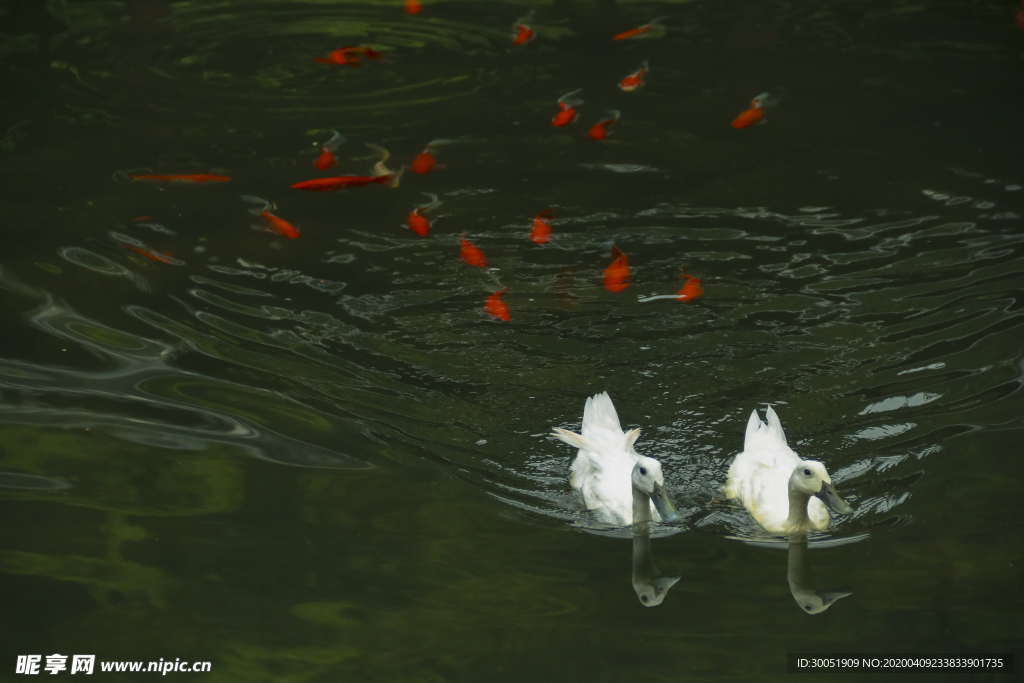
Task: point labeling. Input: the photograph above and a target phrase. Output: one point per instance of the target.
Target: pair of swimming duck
(783, 492)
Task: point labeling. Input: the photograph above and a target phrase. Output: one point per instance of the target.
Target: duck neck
(641, 506)
(797, 519)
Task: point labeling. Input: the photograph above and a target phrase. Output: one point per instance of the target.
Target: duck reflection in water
(650, 584)
(801, 582)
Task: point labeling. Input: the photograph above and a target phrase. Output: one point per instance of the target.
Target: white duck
(618, 483)
(783, 492)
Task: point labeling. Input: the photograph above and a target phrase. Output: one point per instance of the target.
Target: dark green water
(320, 460)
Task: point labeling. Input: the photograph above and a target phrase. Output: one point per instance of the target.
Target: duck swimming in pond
(618, 484)
(782, 492)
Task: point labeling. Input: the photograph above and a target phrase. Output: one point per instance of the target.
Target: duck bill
(664, 506)
(832, 501)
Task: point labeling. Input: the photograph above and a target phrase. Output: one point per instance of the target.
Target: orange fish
(691, 287)
(413, 6)
(597, 131)
(382, 175)
(496, 307)
(634, 80)
(162, 257)
(187, 178)
(275, 224)
(472, 254)
(417, 223)
(349, 55)
(754, 114)
(424, 161)
(616, 276)
(541, 233)
(651, 29)
(522, 32)
(326, 158)
(566, 102)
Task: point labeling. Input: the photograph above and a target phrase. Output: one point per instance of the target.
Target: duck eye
(643, 471)
(643, 599)
(807, 472)
(807, 607)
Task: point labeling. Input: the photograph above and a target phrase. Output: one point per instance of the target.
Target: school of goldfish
(617, 274)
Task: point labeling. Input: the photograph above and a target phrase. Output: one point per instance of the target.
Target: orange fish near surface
(754, 113)
(187, 178)
(634, 80)
(472, 254)
(417, 223)
(275, 224)
(162, 257)
(326, 158)
(521, 32)
(541, 233)
(382, 175)
(599, 130)
(652, 29)
(568, 114)
(349, 55)
(413, 6)
(691, 288)
(616, 276)
(496, 307)
(424, 161)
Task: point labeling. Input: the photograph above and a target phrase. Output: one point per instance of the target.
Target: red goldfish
(616, 276)
(162, 257)
(496, 307)
(541, 233)
(753, 114)
(187, 178)
(413, 6)
(634, 80)
(597, 131)
(566, 102)
(326, 158)
(275, 224)
(382, 175)
(522, 32)
(472, 254)
(349, 55)
(651, 29)
(424, 161)
(691, 287)
(417, 223)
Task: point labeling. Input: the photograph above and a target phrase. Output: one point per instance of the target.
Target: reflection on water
(805, 590)
(650, 584)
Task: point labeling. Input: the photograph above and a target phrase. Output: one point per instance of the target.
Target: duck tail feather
(599, 413)
(775, 425)
(572, 438)
(631, 436)
(754, 425)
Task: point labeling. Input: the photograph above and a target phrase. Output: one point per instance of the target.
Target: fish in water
(616, 275)
(496, 307)
(274, 224)
(521, 32)
(327, 150)
(472, 254)
(186, 178)
(599, 130)
(417, 223)
(424, 161)
(651, 29)
(691, 287)
(568, 113)
(382, 175)
(349, 55)
(541, 233)
(162, 257)
(413, 6)
(754, 113)
(634, 80)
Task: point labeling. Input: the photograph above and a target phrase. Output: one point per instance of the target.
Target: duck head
(648, 479)
(811, 478)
